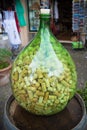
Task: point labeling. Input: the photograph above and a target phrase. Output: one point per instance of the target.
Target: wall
(24, 32)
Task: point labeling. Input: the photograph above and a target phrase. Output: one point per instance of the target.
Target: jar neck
(44, 21)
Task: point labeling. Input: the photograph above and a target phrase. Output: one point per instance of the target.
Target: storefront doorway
(6, 5)
(64, 22)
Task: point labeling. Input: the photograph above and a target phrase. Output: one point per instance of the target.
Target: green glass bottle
(43, 75)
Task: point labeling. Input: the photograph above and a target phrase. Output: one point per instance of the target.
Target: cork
(45, 11)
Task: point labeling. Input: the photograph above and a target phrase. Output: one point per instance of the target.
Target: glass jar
(43, 75)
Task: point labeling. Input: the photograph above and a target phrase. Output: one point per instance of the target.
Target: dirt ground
(80, 59)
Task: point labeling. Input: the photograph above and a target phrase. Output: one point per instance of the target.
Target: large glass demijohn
(43, 76)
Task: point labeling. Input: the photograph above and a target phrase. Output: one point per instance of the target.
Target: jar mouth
(45, 15)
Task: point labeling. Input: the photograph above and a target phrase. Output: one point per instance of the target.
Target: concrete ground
(80, 59)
